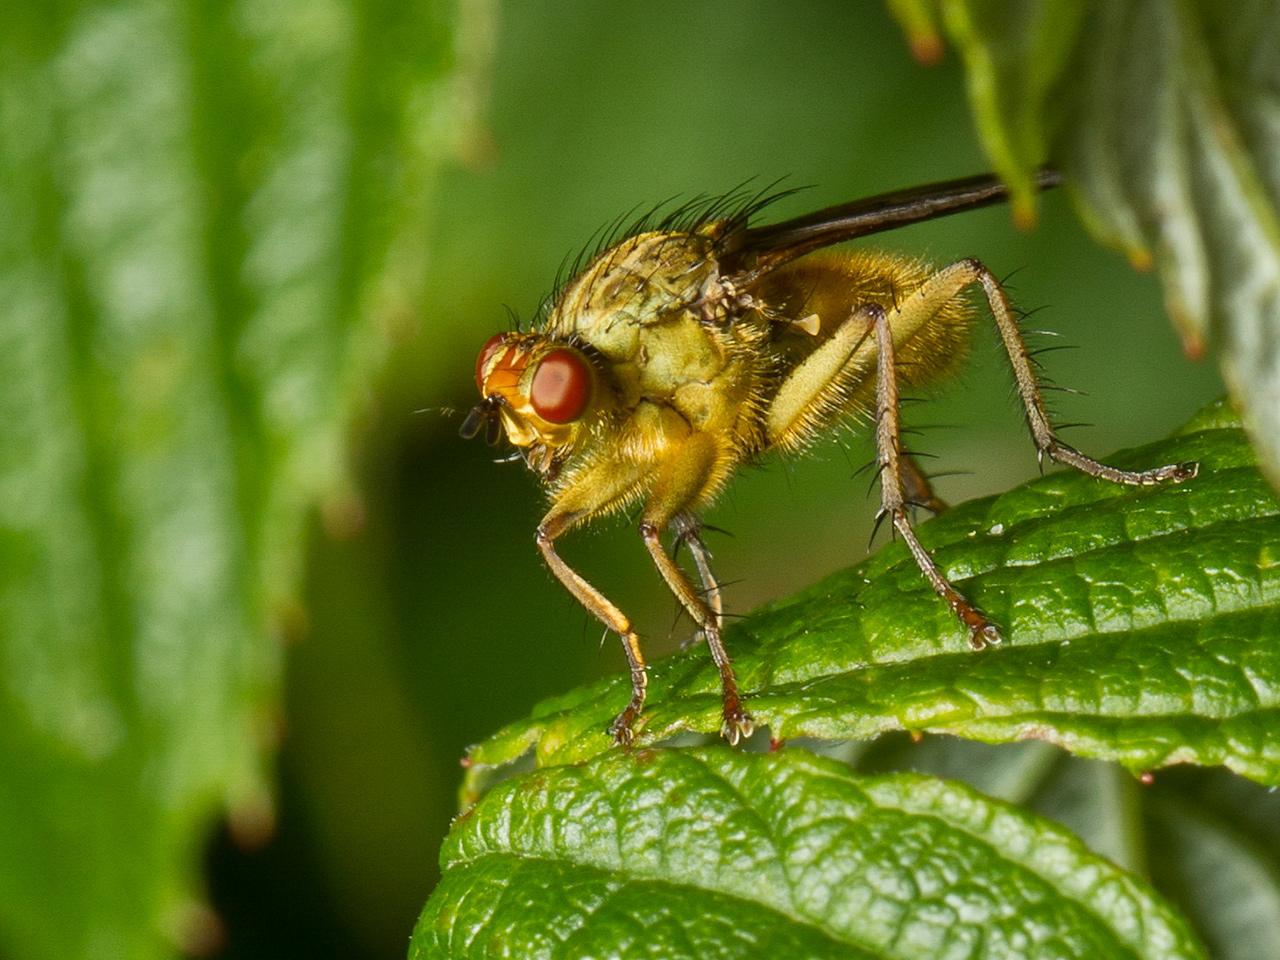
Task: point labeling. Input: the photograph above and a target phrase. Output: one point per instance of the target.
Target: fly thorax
(679, 351)
(640, 282)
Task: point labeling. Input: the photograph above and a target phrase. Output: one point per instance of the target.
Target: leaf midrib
(903, 567)
(1098, 635)
(873, 804)
(626, 875)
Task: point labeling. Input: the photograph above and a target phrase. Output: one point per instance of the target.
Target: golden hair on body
(683, 351)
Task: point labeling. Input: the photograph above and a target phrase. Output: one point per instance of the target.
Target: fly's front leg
(606, 612)
(683, 476)
(596, 491)
(893, 501)
(948, 282)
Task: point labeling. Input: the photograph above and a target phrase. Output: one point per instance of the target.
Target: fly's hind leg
(947, 283)
(682, 478)
(815, 385)
(894, 501)
(928, 299)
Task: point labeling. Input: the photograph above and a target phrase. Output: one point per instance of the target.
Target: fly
(701, 343)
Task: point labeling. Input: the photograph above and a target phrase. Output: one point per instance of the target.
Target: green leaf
(1132, 620)
(1227, 883)
(1207, 840)
(720, 853)
(1163, 116)
(210, 212)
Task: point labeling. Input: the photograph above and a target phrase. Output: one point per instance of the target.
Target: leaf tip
(343, 515)
(918, 20)
(1024, 213)
(1193, 345)
(251, 819)
(195, 929)
(478, 150)
(1140, 259)
(927, 48)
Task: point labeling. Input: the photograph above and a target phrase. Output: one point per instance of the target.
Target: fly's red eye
(491, 346)
(561, 387)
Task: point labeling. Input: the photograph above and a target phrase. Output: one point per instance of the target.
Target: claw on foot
(738, 725)
(1169, 473)
(983, 635)
(982, 632)
(620, 730)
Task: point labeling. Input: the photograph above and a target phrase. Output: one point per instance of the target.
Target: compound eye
(491, 346)
(561, 387)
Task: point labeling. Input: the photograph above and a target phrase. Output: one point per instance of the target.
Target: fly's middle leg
(682, 478)
(737, 722)
(689, 532)
(919, 491)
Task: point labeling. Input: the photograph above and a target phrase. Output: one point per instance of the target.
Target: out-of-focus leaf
(720, 853)
(1097, 801)
(1014, 57)
(1164, 116)
(1206, 839)
(1132, 621)
(212, 218)
(1228, 884)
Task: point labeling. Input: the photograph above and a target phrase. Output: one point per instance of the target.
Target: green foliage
(1162, 114)
(1136, 623)
(1132, 619)
(205, 236)
(717, 853)
(213, 214)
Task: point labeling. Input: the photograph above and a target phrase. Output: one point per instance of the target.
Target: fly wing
(754, 251)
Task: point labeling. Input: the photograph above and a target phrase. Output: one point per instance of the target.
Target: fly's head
(538, 392)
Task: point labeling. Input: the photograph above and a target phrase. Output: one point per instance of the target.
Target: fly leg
(689, 531)
(815, 385)
(947, 283)
(916, 486)
(607, 613)
(683, 477)
(936, 291)
(811, 386)
(893, 500)
(597, 491)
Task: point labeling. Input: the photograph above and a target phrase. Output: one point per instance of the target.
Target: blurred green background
(439, 622)
(427, 619)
